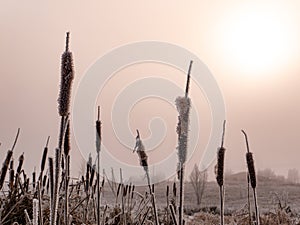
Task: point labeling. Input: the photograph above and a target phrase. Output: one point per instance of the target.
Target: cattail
(98, 149)
(174, 189)
(45, 152)
(67, 76)
(51, 177)
(21, 161)
(92, 175)
(35, 212)
(33, 179)
(7, 160)
(251, 169)
(87, 177)
(11, 179)
(252, 176)
(11, 165)
(183, 105)
(140, 149)
(220, 175)
(67, 142)
(5, 167)
(220, 166)
(98, 132)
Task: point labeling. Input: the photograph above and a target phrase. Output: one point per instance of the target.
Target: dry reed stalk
(252, 176)
(7, 161)
(183, 107)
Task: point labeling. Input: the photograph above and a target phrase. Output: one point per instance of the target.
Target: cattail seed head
(174, 189)
(167, 192)
(98, 132)
(11, 179)
(92, 175)
(51, 177)
(5, 167)
(67, 76)
(220, 166)
(183, 107)
(251, 169)
(67, 142)
(45, 152)
(21, 161)
(140, 149)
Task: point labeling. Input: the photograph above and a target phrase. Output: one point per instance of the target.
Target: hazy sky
(251, 47)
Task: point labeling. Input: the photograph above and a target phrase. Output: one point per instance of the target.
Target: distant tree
(267, 173)
(293, 176)
(198, 180)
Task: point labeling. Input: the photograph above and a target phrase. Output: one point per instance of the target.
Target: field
(51, 196)
(278, 201)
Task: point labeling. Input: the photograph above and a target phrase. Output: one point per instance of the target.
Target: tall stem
(256, 207)
(222, 205)
(181, 195)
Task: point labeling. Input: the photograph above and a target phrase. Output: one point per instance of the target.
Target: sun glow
(257, 40)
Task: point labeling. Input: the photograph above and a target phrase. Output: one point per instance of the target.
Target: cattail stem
(188, 79)
(248, 196)
(181, 194)
(221, 205)
(173, 214)
(67, 175)
(256, 207)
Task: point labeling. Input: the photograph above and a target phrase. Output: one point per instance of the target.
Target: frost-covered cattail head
(67, 76)
(35, 211)
(140, 149)
(183, 107)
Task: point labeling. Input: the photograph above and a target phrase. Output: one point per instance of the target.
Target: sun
(257, 40)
